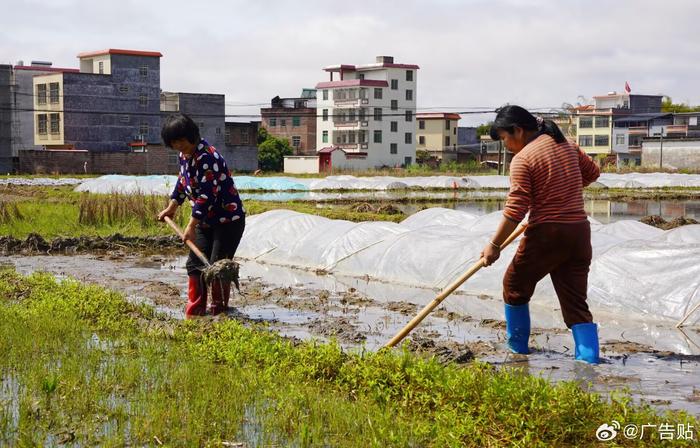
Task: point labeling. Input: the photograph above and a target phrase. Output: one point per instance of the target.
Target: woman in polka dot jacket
(218, 218)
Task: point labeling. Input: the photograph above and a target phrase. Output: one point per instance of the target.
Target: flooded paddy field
(656, 362)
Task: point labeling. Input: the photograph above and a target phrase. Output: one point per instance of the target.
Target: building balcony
(639, 130)
(677, 129)
(350, 102)
(357, 123)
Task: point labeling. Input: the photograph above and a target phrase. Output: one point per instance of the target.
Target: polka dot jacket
(206, 181)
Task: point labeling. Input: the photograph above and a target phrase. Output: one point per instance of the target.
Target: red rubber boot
(196, 297)
(219, 298)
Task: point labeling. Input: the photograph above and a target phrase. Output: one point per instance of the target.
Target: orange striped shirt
(547, 179)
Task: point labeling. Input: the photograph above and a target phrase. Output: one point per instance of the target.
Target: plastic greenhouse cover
(162, 184)
(40, 181)
(636, 268)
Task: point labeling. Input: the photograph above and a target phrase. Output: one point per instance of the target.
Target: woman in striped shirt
(547, 177)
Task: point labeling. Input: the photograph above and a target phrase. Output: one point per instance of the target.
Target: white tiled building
(366, 115)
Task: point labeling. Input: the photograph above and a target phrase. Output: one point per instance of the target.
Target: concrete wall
(106, 112)
(681, 153)
(301, 164)
(240, 158)
(157, 160)
(6, 117)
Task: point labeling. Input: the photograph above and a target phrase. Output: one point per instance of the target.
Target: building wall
(156, 160)
(51, 108)
(593, 132)
(104, 113)
(378, 154)
(466, 136)
(301, 164)
(6, 118)
(283, 119)
(240, 158)
(436, 136)
(680, 154)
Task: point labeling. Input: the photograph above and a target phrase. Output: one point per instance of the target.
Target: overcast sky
(471, 53)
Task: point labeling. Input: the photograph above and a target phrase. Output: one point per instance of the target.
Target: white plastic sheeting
(163, 184)
(40, 181)
(636, 268)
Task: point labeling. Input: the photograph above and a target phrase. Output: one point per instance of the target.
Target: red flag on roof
(628, 89)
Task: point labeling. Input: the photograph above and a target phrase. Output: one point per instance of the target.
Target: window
(227, 135)
(407, 161)
(55, 124)
(101, 68)
(201, 125)
(143, 100)
(447, 124)
(447, 141)
(421, 124)
(585, 122)
(377, 94)
(41, 93)
(245, 136)
(394, 126)
(296, 122)
(41, 124)
(409, 115)
(125, 119)
(361, 76)
(602, 140)
(394, 84)
(377, 114)
(325, 95)
(394, 104)
(325, 114)
(409, 75)
(324, 137)
(143, 71)
(377, 136)
(408, 138)
(273, 122)
(296, 141)
(143, 129)
(53, 92)
(409, 95)
(585, 140)
(363, 114)
(218, 131)
(393, 148)
(123, 89)
(620, 139)
(602, 122)
(421, 139)
(693, 121)
(283, 122)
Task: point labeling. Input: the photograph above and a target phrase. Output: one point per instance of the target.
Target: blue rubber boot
(518, 328)
(586, 342)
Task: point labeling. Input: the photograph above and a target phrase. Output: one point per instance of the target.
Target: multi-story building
(366, 116)
(113, 101)
(594, 127)
(206, 109)
(241, 149)
(293, 119)
(688, 121)
(437, 134)
(5, 118)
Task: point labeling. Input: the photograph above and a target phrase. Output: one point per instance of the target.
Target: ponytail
(508, 117)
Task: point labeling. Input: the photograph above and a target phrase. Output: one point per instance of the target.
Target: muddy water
(657, 362)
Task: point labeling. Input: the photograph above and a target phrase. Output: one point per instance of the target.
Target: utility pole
(661, 150)
(500, 150)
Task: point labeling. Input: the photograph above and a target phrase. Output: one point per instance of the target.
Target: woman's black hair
(179, 126)
(508, 117)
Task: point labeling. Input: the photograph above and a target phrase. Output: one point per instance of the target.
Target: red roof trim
(155, 54)
(352, 83)
(46, 69)
(438, 115)
(132, 144)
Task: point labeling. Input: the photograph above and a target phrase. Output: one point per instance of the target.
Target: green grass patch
(83, 366)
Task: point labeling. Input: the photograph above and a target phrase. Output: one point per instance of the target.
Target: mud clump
(340, 328)
(36, 244)
(384, 209)
(225, 270)
(658, 222)
(444, 351)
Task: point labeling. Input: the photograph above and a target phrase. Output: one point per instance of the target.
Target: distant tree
(667, 105)
(271, 153)
(422, 156)
(262, 135)
(483, 129)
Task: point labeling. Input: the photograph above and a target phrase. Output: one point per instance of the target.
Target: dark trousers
(564, 252)
(216, 242)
